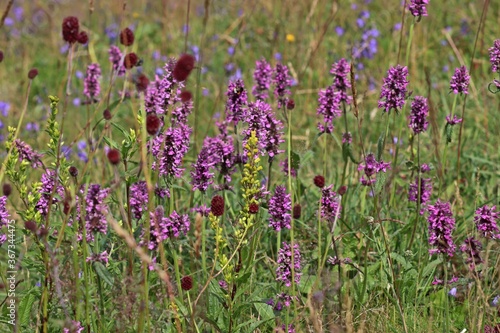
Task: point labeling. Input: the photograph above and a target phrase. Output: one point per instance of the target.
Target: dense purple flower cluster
(329, 107)
(261, 119)
(48, 181)
(168, 89)
(27, 153)
(116, 59)
(284, 168)
(282, 83)
(237, 101)
(162, 227)
(201, 177)
(472, 248)
(459, 82)
(102, 257)
(486, 221)
(418, 7)
(340, 70)
(441, 226)
(425, 192)
(418, 115)
(372, 167)
(262, 77)
(181, 113)
(138, 198)
(495, 56)
(169, 150)
(347, 138)
(367, 47)
(92, 87)
(284, 270)
(330, 204)
(96, 210)
(4, 217)
(280, 206)
(393, 92)
(281, 299)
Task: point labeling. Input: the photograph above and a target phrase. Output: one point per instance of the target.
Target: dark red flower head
(1, 56)
(217, 207)
(107, 114)
(73, 171)
(114, 156)
(183, 67)
(319, 181)
(254, 208)
(186, 96)
(290, 105)
(153, 124)
(297, 210)
(186, 283)
(70, 27)
(7, 189)
(32, 73)
(30, 225)
(130, 60)
(127, 37)
(141, 83)
(342, 190)
(83, 38)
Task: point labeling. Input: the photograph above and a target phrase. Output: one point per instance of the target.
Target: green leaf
(381, 177)
(25, 307)
(430, 267)
(449, 132)
(103, 273)
(380, 146)
(265, 311)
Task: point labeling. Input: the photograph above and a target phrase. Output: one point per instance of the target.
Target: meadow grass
(140, 207)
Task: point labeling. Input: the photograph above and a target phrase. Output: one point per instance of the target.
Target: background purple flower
(280, 206)
(330, 204)
(460, 81)
(418, 115)
(284, 270)
(425, 192)
(262, 77)
(418, 7)
(92, 87)
(282, 83)
(394, 89)
(236, 101)
(486, 221)
(441, 226)
(329, 108)
(372, 167)
(495, 56)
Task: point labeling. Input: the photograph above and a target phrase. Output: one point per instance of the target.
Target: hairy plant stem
(443, 162)
(419, 184)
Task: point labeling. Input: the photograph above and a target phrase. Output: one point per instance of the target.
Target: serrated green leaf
(103, 273)
(379, 183)
(25, 307)
(265, 311)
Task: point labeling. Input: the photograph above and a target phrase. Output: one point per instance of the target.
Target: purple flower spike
(96, 210)
(175, 143)
(282, 83)
(201, 175)
(330, 204)
(441, 226)
(48, 182)
(393, 92)
(425, 192)
(418, 115)
(262, 77)
(280, 206)
(418, 7)
(472, 248)
(329, 107)
(236, 101)
(340, 70)
(460, 81)
(486, 221)
(92, 87)
(27, 153)
(495, 56)
(372, 167)
(116, 58)
(284, 270)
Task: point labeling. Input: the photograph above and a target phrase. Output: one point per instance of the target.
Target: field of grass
(259, 166)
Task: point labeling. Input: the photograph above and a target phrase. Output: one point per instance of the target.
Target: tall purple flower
(393, 92)
(486, 221)
(418, 7)
(282, 83)
(495, 56)
(425, 192)
(472, 248)
(340, 71)
(284, 270)
(262, 77)
(261, 119)
(372, 167)
(162, 227)
(441, 226)
(27, 153)
(284, 168)
(48, 182)
(222, 153)
(181, 113)
(418, 115)
(169, 150)
(236, 101)
(168, 88)
(176, 224)
(92, 87)
(96, 210)
(201, 177)
(329, 107)
(139, 198)
(280, 206)
(460, 81)
(330, 204)
(116, 58)
(4, 217)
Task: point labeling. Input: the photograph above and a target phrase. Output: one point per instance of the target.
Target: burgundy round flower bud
(319, 181)
(107, 114)
(186, 283)
(254, 208)
(42, 232)
(1, 56)
(297, 210)
(130, 60)
(7, 189)
(186, 96)
(153, 124)
(141, 83)
(73, 171)
(30, 225)
(183, 67)
(342, 189)
(114, 156)
(290, 105)
(70, 27)
(127, 37)
(66, 207)
(32, 73)
(217, 206)
(83, 38)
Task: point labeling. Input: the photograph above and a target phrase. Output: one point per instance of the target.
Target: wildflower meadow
(250, 166)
